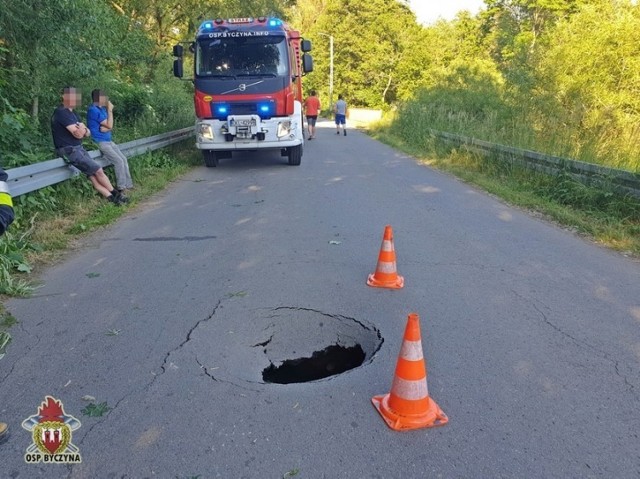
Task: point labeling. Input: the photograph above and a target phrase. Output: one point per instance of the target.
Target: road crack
(206, 372)
(583, 344)
(187, 339)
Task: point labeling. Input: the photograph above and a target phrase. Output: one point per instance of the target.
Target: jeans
(113, 155)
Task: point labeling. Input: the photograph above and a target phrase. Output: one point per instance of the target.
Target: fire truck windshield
(233, 57)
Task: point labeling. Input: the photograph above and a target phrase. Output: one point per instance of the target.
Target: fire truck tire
(295, 155)
(210, 158)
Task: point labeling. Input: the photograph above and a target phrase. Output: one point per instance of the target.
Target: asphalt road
(170, 316)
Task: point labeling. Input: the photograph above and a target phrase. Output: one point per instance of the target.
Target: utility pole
(330, 67)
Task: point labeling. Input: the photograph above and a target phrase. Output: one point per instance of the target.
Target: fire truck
(248, 86)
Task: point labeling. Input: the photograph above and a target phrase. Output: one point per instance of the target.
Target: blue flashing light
(220, 111)
(206, 26)
(275, 22)
(266, 109)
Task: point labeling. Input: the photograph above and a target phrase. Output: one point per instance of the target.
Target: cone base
(432, 417)
(376, 283)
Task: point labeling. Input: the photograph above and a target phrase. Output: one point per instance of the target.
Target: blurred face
(71, 97)
(103, 99)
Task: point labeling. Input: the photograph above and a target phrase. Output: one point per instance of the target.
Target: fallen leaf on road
(96, 410)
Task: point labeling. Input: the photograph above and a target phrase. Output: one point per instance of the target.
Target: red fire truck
(248, 86)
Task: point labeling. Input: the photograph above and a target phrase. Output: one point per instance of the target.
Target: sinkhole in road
(307, 345)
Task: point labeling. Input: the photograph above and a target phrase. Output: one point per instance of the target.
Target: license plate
(250, 122)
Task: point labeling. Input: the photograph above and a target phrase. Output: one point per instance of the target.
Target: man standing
(340, 109)
(6, 218)
(312, 108)
(100, 123)
(68, 132)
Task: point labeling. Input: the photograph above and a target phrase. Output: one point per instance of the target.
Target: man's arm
(70, 121)
(79, 130)
(107, 124)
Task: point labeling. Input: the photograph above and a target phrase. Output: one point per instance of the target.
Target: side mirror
(307, 63)
(177, 68)
(305, 45)
(178, 51)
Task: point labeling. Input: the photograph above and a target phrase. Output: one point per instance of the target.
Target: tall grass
(488, 116)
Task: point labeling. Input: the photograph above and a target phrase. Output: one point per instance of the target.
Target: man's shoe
(121, 197)
(337, 132)
(117, 200)
(345, 132)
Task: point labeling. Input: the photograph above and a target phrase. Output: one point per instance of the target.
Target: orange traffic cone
(408, 405)
(386, 275)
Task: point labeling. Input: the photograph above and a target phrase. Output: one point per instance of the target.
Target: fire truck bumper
(248, 132)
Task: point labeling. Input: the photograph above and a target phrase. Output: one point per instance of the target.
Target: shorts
(79, 157)
(341, 119)
(311, 119)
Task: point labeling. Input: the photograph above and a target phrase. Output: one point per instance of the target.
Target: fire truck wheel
(295, 155)
(210, 158)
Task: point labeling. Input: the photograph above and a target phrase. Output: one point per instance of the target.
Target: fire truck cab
(248, 86)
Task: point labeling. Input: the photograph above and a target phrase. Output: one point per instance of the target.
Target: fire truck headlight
(284, 128)
(205, 132)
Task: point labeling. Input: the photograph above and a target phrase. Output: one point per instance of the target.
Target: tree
(371, 38)
(587, 80)
(515, 28)
(72, 43)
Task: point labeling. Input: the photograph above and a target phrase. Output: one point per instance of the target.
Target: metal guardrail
(622, 181)
(25, 179)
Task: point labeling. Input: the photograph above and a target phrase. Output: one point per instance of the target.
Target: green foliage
(366, 62)
(159, 160)
(96, 410)
(18, 134)
(5, 340)
(131, 101)
(588, 83)
(12, 262)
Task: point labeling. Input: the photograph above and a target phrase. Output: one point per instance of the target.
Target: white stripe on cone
(411, 350)
(386, 267)
(410, 390)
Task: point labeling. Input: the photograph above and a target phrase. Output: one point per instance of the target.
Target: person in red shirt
(312, 108)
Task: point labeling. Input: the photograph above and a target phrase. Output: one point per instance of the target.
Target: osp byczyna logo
(52, 430)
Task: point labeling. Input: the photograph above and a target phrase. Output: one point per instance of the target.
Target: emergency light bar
(210, 25)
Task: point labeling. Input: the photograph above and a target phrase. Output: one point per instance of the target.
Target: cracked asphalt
(531, 334)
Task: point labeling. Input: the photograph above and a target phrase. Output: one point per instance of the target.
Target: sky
(428, 11)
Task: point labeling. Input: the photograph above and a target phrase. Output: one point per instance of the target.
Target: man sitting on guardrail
(68, 132)
(100, 123)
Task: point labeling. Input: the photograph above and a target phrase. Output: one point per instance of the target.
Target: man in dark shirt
(68, 132)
